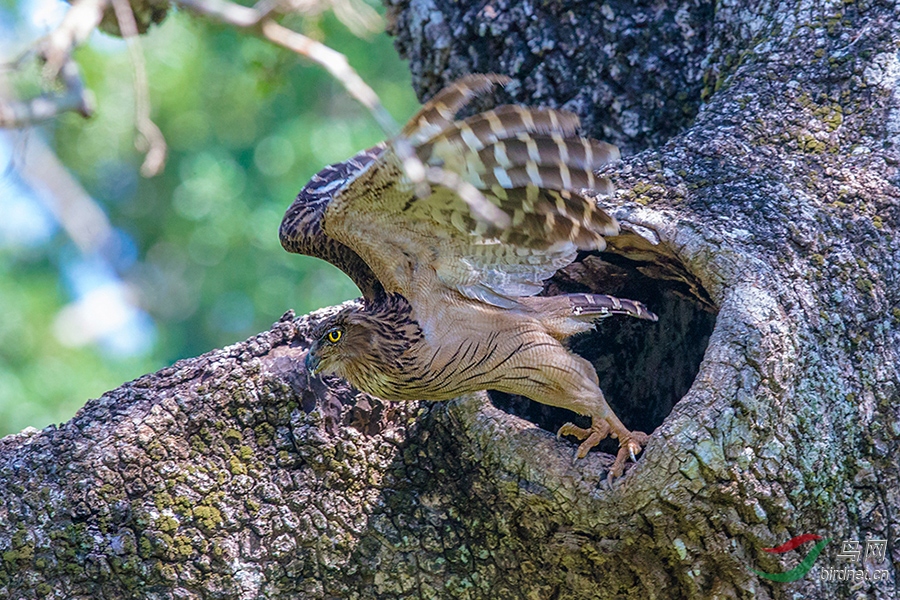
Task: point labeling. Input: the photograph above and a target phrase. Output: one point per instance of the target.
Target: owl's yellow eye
(334, 336)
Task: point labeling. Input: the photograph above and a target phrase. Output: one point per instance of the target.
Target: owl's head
(365, 343)
(339, 342)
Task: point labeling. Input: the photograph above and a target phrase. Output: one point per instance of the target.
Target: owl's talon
(630, 442)
(572, 429)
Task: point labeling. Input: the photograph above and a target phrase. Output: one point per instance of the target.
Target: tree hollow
(644, 368)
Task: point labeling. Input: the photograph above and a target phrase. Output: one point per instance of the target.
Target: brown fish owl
(449, 276)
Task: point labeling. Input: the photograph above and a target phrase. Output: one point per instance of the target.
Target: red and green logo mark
(805, 564)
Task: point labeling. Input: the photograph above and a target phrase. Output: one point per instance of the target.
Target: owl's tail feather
(590, 307)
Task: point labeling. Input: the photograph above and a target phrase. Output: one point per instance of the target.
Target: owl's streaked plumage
(449, 277)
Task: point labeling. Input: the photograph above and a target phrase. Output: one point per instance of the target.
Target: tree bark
(760, 199)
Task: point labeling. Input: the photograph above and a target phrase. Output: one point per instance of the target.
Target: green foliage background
(247, 124)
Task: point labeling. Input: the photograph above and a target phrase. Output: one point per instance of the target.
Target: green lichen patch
(162, 500)
(864, 285)
(245, 452)
(182, 547)
(182, 506)
(167, 524)
(208, 517)
(233, 435)
(810, 144)
(236, 466)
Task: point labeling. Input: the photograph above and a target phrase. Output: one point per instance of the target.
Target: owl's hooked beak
(313, 364)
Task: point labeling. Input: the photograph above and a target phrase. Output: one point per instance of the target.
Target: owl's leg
(584, 397)
(548, 373)
(543, 370)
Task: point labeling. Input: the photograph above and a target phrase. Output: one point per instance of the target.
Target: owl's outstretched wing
(526, 220)
(301, 229)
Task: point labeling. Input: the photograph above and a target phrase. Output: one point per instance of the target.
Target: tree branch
(74, 98)
(79, 22)
(260, 21)
(85, 15)
(153, 141)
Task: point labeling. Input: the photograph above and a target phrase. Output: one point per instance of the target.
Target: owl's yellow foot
(630, 442)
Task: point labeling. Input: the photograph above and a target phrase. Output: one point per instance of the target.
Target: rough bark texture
(761, 216)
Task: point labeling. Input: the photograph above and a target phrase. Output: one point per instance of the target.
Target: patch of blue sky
(104, 310)
(25, 223)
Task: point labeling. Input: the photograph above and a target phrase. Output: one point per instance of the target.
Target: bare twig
(153, 141)
(81, 19)
(267, 8)
(56, 52)
(258, 20)
(261, 23)
(358, 16)
(336, 64)
(230, 13)
(74, 98)
(85, 15)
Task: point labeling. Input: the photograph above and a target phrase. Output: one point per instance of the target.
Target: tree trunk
(759, 198)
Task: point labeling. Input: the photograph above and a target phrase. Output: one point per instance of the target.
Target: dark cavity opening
(644, 367)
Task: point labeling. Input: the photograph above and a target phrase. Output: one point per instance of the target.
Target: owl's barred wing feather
(439, 113)
(301, 229)
(502, 123)
(527, 163)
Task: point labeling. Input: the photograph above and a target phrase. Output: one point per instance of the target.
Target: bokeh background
(105, 275)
